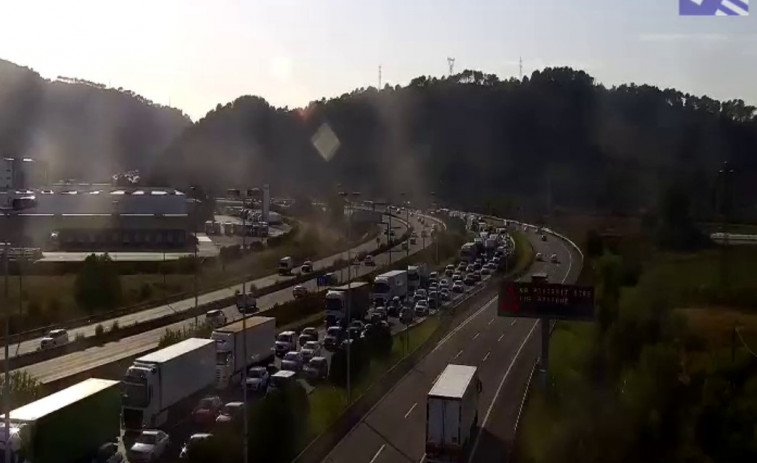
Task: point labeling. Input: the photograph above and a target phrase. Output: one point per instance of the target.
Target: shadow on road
(491, 448)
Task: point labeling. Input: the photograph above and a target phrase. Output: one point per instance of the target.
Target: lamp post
(245, 448)
(724, 175)
(6, 334)
(348, 307)
(193, 222)
(436, 240)
(406, 205)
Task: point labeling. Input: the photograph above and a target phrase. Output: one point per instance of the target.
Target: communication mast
(379, 87)
(451, 64)
(520, 67)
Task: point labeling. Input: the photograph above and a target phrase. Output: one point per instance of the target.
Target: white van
(286, 264)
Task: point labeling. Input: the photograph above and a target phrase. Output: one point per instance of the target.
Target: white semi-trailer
(452, 413)
(231, 360)
(69, 425)
(165, 385)
(389, 285)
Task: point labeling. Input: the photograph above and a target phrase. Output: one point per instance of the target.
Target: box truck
(388, 285)
(452, 413)
(417, 277)
(69, 425)
(259, 333)
(165, 385)
(336, 302)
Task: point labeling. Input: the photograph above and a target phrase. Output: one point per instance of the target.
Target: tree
(278, 424)
(97, 285)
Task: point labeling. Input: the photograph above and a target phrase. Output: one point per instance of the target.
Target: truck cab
(246, 303)
(286, 265)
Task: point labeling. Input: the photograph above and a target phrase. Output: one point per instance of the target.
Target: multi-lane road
(77, 362)
(504, 349)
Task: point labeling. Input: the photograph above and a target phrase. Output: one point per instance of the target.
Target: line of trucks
(158, 388)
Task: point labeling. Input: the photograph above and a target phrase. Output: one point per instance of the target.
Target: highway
(66, 365)
(394, 430)
(189, 303)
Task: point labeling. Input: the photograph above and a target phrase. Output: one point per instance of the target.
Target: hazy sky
(200, 53)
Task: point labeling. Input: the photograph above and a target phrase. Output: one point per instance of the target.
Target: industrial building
(99, 217)
(23, 173)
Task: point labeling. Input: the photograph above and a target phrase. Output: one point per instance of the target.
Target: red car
(207, 410)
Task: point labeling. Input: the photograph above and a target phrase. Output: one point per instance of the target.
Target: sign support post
(544, 360)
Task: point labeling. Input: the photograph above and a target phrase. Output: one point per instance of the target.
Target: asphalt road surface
(66, 365)
(189, 303)
(395, 429)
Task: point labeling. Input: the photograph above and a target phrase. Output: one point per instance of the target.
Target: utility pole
(244, 342)
(379, 82)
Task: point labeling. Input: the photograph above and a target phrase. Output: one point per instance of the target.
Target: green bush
(99, 330)
(97, 285)
(24, 388)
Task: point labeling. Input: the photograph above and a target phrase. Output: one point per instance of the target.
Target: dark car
(355, 328)
(317, 368)
(231, 414)
(207, 410)
(469, 280)
(333, 338)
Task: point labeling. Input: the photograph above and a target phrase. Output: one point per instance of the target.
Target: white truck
(165, 385)
(335, 301)
(69, 425)
(452, 413)
(417, 276)
(286, 265)
(388, 285)
(231, 360)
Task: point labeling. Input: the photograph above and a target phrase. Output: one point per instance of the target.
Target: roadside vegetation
(669, 370)
(100, 284)
(24, 388)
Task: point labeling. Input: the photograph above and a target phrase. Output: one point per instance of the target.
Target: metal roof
(236, 327)
(453, 381)
(61, 399)
(176, 350)
(99, 200)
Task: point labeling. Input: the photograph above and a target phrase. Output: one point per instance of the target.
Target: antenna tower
(451, 64)
(520, 67)
(379, 87)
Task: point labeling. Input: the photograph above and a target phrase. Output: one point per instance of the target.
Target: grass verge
(328, 402)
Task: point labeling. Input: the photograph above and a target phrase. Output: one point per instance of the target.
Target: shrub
(99, 330)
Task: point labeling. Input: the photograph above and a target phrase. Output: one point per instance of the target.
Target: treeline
(85, 130)
(472, 137)
(641, 384)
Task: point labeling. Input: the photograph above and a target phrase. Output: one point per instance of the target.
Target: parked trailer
(163, 386)
(260, 335)
(452, 414)
(69, 425)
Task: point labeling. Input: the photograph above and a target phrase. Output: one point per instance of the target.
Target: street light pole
(244, 342)
(7, 382)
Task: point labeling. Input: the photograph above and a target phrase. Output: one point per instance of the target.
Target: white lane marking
(500, 337)
(499, 389)
(459, 353)
(423, 458)
(477, 335)
(463, 324)
(490, 321)
(381, 449)
(513, 323)
(486, 356)
(411, 409)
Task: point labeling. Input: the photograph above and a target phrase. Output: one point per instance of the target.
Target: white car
(553, 258)
(215, 318)
(299, 291)
(149, 446)
(55, 338)
(309, 350)
(292, 361)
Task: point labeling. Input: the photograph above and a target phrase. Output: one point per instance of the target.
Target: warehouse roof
(98, 199)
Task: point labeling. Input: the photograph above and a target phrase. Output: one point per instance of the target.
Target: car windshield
(311, 345)
(206, 403)
(256, 373)
(292, 356)
(149, 439)
(333, 331)
(286, 337)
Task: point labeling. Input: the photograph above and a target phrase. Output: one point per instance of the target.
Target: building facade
(100, 218)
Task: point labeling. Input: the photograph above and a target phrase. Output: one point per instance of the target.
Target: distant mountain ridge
(555, 138)
(85, 130)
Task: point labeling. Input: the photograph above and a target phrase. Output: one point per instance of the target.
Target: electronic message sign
(545, 300)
